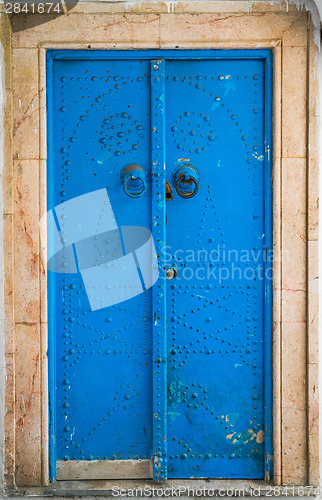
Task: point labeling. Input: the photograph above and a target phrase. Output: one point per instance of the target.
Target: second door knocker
(186, 180)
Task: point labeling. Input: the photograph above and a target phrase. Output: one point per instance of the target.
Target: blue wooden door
(159, 240)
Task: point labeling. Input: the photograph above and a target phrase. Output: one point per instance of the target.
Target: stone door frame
(197, 25)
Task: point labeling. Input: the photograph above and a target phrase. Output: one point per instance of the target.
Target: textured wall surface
(295, 198)
(7, 264)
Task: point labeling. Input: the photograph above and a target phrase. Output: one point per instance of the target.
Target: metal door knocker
(186, 180)
(134, 180)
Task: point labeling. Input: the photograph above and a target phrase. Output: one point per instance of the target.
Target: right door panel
(215, 249)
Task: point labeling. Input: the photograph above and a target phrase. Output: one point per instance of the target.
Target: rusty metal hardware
(168, 192)
(171, 273)
(134, 180)
(186, 180)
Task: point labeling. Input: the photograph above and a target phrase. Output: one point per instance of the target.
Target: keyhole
(168, 192)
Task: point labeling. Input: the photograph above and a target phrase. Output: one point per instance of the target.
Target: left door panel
(101, 380)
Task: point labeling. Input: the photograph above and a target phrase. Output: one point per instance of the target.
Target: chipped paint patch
(246, 437)
(260, 437)
(157, 461)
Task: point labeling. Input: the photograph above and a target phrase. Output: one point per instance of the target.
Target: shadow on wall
(46, 12)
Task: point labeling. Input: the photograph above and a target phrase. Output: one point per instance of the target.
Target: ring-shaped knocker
(186, 180)
(134, 180)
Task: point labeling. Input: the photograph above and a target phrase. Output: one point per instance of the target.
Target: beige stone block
(7, 173)
(276, 305)
(277, 102)
(113, 8)
(313, 186)
(44, 404)
(294, 456)
(127, 45)
(25, 103)
(276, 310)
(276, 185)
(293, 305)
(294, 365)
(295, 34)
(28, 405)
(313, 324)
(313, 219)
(294, 186)
(313, 266)
(8, 283)
(313, 424)
(276, 374)
(313, 327)
(294, 254)
(5, 38)
(294, 123)
(314, 108)
(313, 179)
(89, 28)
(27, 299)
(227, 27)
(313, 302)
(9, 422)
(225, 7)
(293, 270)
(42, 105)
(274, 7)
(294, 224)
(233, 6)
(313, 389)
(313, 104)
(313, 158)
(43, 241)
(220, 44)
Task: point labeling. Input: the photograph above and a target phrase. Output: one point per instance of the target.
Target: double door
(159, 282)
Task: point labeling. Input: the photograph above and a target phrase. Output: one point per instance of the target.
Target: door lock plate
(171, 273)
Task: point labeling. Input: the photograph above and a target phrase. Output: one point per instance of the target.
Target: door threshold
(89, 470)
